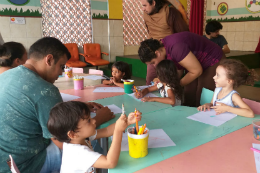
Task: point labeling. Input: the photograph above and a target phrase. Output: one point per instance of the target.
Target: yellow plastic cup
(138, 144)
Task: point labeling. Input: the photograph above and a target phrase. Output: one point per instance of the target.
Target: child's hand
(121, 123)
(220, 108)
(111, 80)
(147, 99)
(204, 107)
(131, 117)
(138, 94)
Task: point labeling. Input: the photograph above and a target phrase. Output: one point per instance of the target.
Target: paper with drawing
(210, 117)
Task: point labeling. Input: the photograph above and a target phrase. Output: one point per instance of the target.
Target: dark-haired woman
(12, 54)
(195, 54)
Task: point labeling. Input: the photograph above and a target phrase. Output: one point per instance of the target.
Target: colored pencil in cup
(136, 122)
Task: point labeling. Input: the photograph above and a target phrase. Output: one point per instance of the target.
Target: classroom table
(199, 147)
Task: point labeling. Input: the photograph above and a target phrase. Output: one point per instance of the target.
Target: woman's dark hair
(158, 4)
(213, 26)
(167, 73)
(9, 51)
(48, 45)
(147, 49)
(176, 21)
(64, 117)
(124, 68)
(238, 72)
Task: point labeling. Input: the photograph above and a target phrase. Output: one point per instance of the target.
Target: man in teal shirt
(27, 95)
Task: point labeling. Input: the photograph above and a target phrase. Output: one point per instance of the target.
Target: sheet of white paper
(157, 139)
(109, 89)
(147, 95)
(257, 157)
(68, 97)
(210, 117)
(94, 77)
(115, 109)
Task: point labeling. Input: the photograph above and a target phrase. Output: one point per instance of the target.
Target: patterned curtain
(67, 20)
(134, 29)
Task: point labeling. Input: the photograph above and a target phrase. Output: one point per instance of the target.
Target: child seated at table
(229, 75)
(120, 70)
(169, 85)
(70, 123)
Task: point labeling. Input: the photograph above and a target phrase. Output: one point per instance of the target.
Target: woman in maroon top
(198, 56)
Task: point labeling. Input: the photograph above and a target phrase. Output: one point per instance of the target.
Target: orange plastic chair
(93, 54)
(74, 60)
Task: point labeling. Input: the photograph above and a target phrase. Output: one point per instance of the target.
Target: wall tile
(104, 27)
(112, 45)
(257, 26)
(224, 34)
(231, 45)
(231, 27)
(249, 46)
(30, 41)
(7, 39)
(248, 36)
(225, 27)
(33, 27)
(239, 36)
(119, 44)
(18, 31)
(118, 28)
(250, 26)
(256, 36)
(239, 45)
(111, 28)
(97, 28)
(98, 39)
(5, 27)
(240, 26)
(230, 36)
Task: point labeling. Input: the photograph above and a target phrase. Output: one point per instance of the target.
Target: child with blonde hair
(230, 74)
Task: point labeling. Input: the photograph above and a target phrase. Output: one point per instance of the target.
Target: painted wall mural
(234, 10)
(24, 8)
(99, 9)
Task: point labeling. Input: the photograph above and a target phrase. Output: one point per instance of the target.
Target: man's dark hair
(48, 45)
(213, 26)
(158, 4)
(64, 117)
(147, 49)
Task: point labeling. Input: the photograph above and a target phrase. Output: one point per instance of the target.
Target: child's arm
(167, 100)
(108, 131)
(243, 110)
(107, 82)
(119, 84)
(146, 91)
(110, 161)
